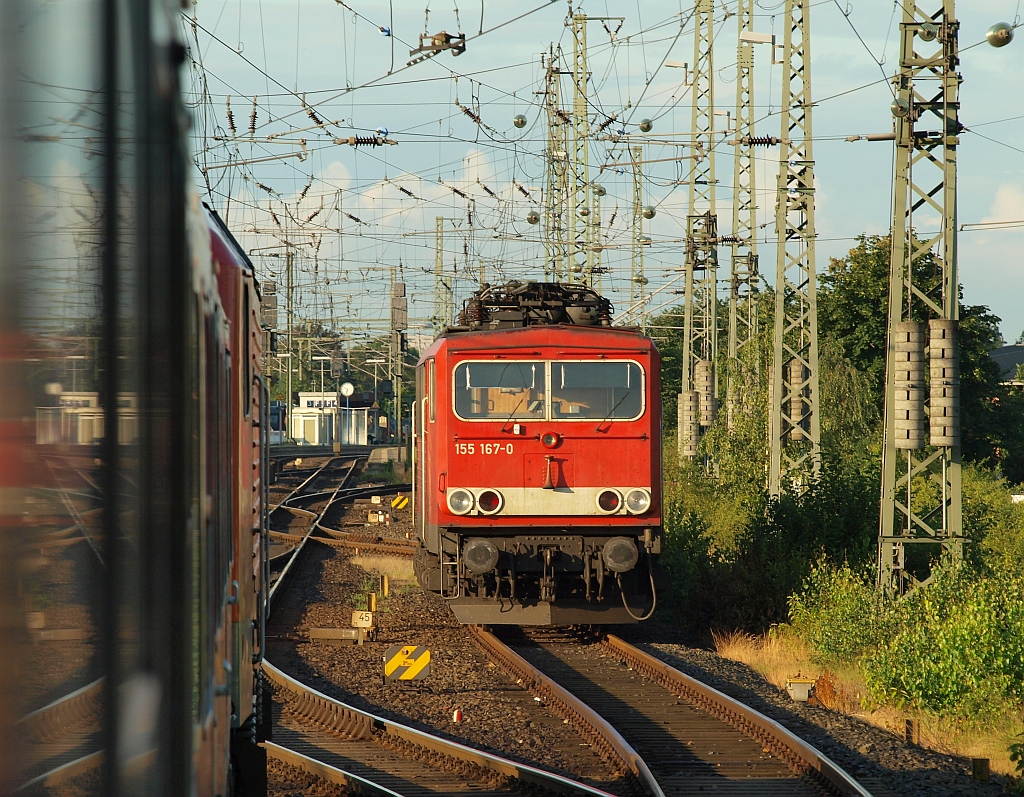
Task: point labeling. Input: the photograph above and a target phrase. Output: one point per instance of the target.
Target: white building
(321, 419)
(78, 420)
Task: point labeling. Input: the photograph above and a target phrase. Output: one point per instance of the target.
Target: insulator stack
(690, 421)
(798, 405)
(909, 381)
(476, 313)
(704, 381)
(944, 343)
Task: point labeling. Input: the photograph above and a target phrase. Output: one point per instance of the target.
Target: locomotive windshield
(500, 390)
(601, 390)
(515, 390)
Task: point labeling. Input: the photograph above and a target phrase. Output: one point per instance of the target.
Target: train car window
(431, 387)
(500, 390)
(596, 390)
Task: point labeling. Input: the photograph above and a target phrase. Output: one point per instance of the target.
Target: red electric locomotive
(537, 463)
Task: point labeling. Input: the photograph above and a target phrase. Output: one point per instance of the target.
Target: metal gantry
(921, 501)
(795, 423)
(594, 278)
(638, 282)
(581, 255)
(444, 303)
(743, 277)
(700, 324)
(557, 189)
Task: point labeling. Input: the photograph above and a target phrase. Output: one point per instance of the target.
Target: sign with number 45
(362, 619)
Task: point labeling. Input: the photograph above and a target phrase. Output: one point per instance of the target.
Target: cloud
(337, 174)
(1008, 204)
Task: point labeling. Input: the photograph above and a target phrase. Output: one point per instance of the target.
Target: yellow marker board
(406, 663)
(400, 502)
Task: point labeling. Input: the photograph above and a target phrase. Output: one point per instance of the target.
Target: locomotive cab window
(500, 390)
(596, 390)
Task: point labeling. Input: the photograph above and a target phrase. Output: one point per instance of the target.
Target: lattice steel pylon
(444, 304)
(581, 255)
(700, 323)
(594, 278)
(638, 282)
(743, 277)
(556, 195)
(921, 500)
(795, 401)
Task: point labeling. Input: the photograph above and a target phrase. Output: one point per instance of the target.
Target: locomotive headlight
(609, 501)
(620, 554)
(638, 501)
(460, 501)
(490, 502)
(480, 555)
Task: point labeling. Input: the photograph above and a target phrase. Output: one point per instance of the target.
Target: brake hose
(654, 594)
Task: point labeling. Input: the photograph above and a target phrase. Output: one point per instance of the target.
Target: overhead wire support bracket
(432, 44)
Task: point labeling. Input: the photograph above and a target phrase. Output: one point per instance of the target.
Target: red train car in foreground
(537, 463)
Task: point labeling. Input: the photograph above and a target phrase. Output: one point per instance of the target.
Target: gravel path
(880, 760)
(498, 715)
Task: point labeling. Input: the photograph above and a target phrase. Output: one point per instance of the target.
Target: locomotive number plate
(484, 449)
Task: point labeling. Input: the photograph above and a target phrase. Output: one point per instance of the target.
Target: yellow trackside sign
(400, 502)
(406, 663)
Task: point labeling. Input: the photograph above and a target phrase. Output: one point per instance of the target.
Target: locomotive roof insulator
(523, 304)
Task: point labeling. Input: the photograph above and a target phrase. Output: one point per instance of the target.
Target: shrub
(838, 614)
(958, 648)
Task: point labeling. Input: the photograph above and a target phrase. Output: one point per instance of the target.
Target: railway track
(72, 485)
(676, 735)
(287, 558)
(395, 757)
(333, 741)
(63, 738)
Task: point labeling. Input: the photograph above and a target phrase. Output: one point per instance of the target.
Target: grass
(777, 656)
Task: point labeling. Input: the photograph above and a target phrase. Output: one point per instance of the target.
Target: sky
(356, 217)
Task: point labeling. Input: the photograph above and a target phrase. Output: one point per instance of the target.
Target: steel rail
(802, 757)
(64, 773)
(75, 706)
(356, 723)
(597, 729)
(72, 510)
(319, 769)
(359, 492)
(297, 551)
(403, 549)
(305, 482)
(76, 711)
